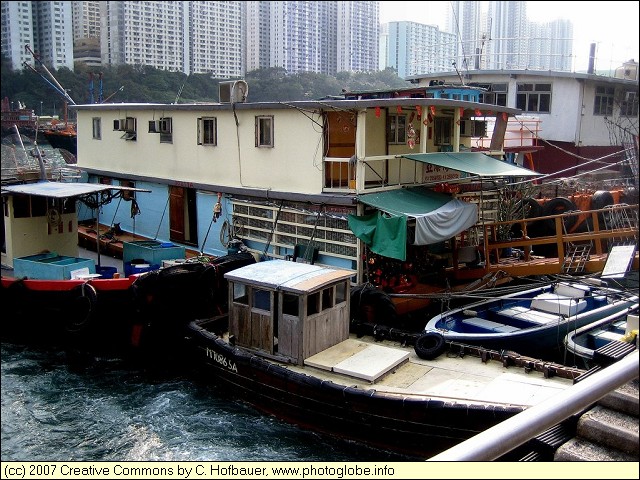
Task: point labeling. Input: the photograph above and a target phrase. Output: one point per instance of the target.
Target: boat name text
(221, 359)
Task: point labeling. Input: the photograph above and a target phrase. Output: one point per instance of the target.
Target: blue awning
(475, 163)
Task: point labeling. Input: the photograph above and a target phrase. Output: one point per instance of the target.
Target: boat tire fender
(429, 345)
(601, 199)
(81, 308)
(557, 206)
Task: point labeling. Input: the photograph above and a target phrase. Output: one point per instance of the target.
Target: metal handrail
(515, 431)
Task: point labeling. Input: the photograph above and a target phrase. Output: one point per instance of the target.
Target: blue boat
(533, 321)
(605, 341)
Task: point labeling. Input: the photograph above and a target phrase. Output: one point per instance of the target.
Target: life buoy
(80, 308)
(559, 205)
(430, 345)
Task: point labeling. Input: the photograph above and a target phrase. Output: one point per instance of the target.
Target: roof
(410, 202)
(475, 163)
(61, 189)
(289, 276)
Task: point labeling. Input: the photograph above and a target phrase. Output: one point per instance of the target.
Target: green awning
(475, 163)
(438, 217)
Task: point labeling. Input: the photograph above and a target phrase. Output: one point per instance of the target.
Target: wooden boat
(606, 340)
(285, 348)
(533, 321)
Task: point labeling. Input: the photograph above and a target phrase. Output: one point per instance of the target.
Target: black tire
(80, 309)
(601, 199)
(370, 304)
(430, 345)
(556, 206)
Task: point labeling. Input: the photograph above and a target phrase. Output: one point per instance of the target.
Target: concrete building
(17, 30)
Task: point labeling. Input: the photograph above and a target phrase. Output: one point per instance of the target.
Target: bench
(489, 325)
(529, 315)
(558, 304)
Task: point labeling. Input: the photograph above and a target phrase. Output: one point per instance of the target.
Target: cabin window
(240, 294)
(264, 131)
(496, 94)
(397, 129)
(97, 129)
(262, 299)
(313, 303)
(629, 105)
(604, 101)
(442, 126)
(327, 298)
(341, 292)
(534, 97)
(208, 131)
(290, 305)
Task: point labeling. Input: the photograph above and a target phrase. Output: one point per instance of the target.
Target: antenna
(458, 72)
(180, 91)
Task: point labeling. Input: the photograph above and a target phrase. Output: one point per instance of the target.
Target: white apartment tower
(216, 38)
(44, 26)
(143, 33)
(258, 21)
(86, 19)
(17, 31)
(550, 46)
(509, 40)
(464, 19)
(357, 36)
(415, 48)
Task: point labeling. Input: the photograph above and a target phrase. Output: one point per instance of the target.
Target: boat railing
(614, 224)
(519, 429)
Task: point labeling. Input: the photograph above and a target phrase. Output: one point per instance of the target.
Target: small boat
(285, 348)
(65, 138)
(605, 341)
(532, 321)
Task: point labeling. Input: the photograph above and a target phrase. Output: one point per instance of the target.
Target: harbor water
(59, 408)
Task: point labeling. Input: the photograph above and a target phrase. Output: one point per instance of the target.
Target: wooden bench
(489, 325)
(529, 315)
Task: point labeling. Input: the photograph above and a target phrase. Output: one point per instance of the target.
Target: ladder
(618, 218)
(630, 154)
(576, 257)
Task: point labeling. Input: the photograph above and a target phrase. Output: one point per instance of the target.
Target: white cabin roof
(289, 276)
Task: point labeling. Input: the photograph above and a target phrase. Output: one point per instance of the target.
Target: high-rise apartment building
(257, 24)
(508, 47)
(464, 20)
(414, 48)
(357, 36)
(45, 26)
(86, 19)
(17, 31)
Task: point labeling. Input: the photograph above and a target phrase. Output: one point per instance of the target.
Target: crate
(151, 251)
(50, 266)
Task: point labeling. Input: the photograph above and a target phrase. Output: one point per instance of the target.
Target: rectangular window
(603, 104)
(97, 131)
(264, 131)
(262, 299)
(629, 106)
(208, 131)
(534, 97)
(496, 94)
(442, 126)
(397, 129)
(240, 294)
(166, 130)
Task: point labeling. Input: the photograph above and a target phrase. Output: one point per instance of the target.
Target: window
(208, 131)
(264, 131)
(629, 106)
(166, 130)
(603, 104)
(262, 299)
(534, 97)
(240, 293)
(397, 131)
(442, 127)
(496, 94)
(97, 135)
(129, 127)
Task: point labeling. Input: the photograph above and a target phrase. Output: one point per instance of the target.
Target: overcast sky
(613, 26)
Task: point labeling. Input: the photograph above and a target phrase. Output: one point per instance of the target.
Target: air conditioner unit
(129, 124)
(165, 125)
(233, 92)
(154, 126)
(119, 124)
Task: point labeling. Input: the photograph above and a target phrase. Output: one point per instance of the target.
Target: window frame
(96, 125)
(395, 130)
(603, 100)
(496, 94)
(202, 131)
(166, 129)
(536, 92)
(261, 123)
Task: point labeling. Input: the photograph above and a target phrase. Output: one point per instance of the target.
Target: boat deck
(392, 369)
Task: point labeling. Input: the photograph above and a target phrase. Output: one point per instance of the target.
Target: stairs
(606, 432)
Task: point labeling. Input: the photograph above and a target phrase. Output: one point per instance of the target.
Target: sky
(612, 26)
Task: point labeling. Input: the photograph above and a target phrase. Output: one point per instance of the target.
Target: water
(56, 408)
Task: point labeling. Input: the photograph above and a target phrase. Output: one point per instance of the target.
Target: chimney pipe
(592, 58)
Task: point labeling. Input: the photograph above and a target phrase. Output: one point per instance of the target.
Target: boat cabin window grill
(208, 131)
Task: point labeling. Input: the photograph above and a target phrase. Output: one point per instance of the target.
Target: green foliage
(145, 84)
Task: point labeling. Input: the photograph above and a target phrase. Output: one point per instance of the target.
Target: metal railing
(517, 430)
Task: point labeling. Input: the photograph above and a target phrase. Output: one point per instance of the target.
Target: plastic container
(106, 272)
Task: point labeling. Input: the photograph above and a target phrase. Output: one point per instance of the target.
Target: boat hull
(412, 426)
(478, 323)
